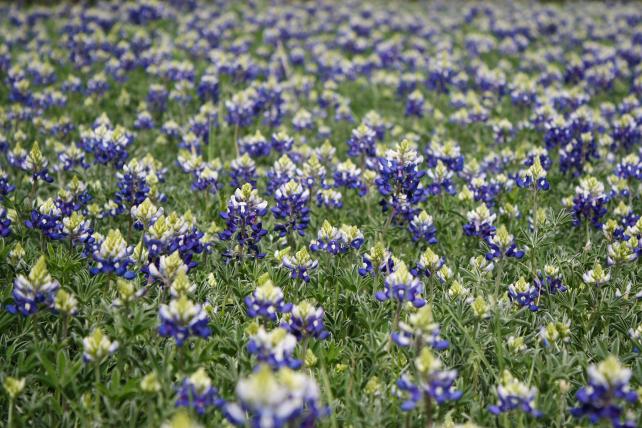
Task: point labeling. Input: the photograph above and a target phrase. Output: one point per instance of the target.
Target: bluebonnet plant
(275, 348)
(274, 399)
(306, 320)
(515, 395)
(197, 392)
(401, 286)
(34, 292)
(181, 319)
(432, 382)
(300, 264)
(243, 222)
(266, 300)
(606, 394)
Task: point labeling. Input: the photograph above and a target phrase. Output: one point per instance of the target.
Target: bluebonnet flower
(283, 171)
(197, 392)
(336, 241)
(362, 142)
(502, 244)
(420, 330)
(620, 252)
(275, 348)
(399, 181)
(47, 218)
(73, 198)
(550, 280)
(207, 179)
(300, 264)
(255, 145)
(503, 131)
(349, 176)
(401, 286)
(168, 268)
(554, 332)
(77, 229)
(183, 318)
(36, 164)
(208, 88)
(34, 292)
(423, 229)
(415, 104)
(432, 382)
(241, 108)
(144, 120)
(441, 180)
(97, 347)
(606, 394)
(145, 214)
(306, 320)
(5, 186)
(112, 256)
(281, 142)
(597, 276)
(429, 263)
(292, 210)
(302, 120)
(5, 223)
(524, 294)
(480, 222)
(448, 152)
(70, 157)
(266, 301)
(157, 97)
(329, 198)
(312, 173)
(274, 399)
(133, 186)
(243, 222)
(108, 145)
(377, 260)
(534, 176)
(243, 170)
(514, 394)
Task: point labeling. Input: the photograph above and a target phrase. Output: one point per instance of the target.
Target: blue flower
(420, 330)
(305, 320)
(362, 142)
(33, 292)
(183, 318)
(243, 222)
(423, 229)
(502, 244)
(606, 394)
(112, 255)
(432, 382)
(300, 264)
(291, 211)
(5, 223)
(275, 348)
(524, 294)
(276, 399)
(266, 301)
(513, 394)
(337, 241)
(197, 392)
(400, 285)
(47, 218)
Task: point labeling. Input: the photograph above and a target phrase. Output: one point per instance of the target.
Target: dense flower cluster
(261, 194)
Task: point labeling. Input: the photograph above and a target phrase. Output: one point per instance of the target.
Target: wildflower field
(336, 214)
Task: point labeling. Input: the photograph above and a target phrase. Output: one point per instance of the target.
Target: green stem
(428, 408)
(10, 416)
(97, 393)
